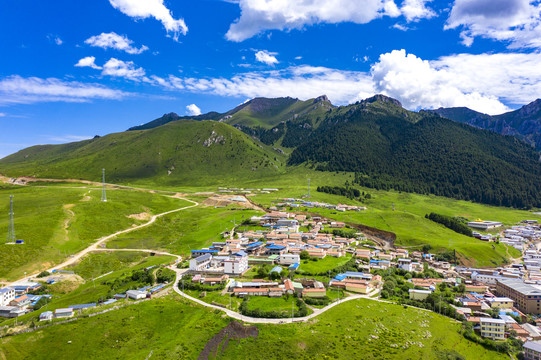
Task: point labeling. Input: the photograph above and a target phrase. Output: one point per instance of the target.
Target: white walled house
(7, 294)
(288, 259)
(236, 264)
(200, 262)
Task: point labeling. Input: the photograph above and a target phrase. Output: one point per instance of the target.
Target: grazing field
(407, 221)
(73, 292)
(265, 303)
(184, 231)
(172, 328)
(322, 265)
(97, 264)
(56, 222)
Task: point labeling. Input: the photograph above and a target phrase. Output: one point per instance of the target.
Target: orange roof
(315, 290)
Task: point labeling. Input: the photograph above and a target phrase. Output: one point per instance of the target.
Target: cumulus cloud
(516, 21)
(193, 110)
(258, 16)
(414, 10)
(2, 114)
(142, 9)
(114, 41)
(19, 90)
(125, 69)
(266, 57)
(481, 82)
(89, 61)
(303, 82)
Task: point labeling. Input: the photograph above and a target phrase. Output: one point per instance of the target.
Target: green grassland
(322, 265)
(265, 303)
(69, 292)
(407, 221)
(172, 328)
(184, 231)
(56, 221)
(97, 264)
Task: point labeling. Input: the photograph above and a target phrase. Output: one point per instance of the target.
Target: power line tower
(103, 194)
(11, 229)
(308, 188)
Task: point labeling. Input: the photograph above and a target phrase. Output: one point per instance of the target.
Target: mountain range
(385, 145)
(524, 123)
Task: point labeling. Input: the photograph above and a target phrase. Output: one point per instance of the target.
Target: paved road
(252, 320)
(95, 246)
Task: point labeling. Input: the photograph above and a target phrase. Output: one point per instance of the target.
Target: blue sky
(70, 70)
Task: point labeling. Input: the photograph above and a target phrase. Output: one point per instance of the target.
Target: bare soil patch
(233, 331)
(140, 216)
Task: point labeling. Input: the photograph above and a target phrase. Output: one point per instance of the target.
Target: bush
(43, 274)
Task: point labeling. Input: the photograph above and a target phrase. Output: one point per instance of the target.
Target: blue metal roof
(276, 247)
(240, 253)
(205, 251)
(340, 277)
(82, 306)
(276, 269)
(257, 243)
(110, 301)
(294, 266)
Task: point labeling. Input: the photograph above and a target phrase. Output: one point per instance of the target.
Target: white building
(47, 315)
(236, 264)
(532, 350)
(7, 294)
(405, 264)
(492, 328)
(484, 225)
(136, 294)
(200, 262)
(288, 259)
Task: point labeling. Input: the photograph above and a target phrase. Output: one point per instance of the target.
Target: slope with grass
(171, 328)
(181, 151)
(56, 222)
(180, 233)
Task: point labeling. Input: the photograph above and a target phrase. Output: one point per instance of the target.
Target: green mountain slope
(524, 123)
(186, 150)
(424, 153)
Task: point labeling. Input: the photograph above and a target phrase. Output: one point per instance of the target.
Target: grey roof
(520, 286)
(533, 345)
(203, 257)
(491, 320)
(6, 289)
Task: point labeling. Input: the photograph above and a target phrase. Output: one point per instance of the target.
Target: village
(287, 264)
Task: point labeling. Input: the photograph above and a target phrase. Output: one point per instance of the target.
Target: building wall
(493, 331)
(526, 304)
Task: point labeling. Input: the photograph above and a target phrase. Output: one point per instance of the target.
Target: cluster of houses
(296, 203)
(15, 300)
(519, 236)
(280, 242)
(235, 190)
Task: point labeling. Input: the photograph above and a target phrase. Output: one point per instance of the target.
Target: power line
(103, 194)
(11, 229)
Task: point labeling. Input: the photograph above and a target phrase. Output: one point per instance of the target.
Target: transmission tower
(103, 194)
(11, 229)
(308, 187)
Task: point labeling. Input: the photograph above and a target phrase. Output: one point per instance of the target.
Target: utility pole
(103, 194)
(11, 229)
(308, 187)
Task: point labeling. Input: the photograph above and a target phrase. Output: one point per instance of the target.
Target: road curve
(95, 246)
(252, 320)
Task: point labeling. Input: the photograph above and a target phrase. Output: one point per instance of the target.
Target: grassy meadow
(172, 328)
(56, 222)
(184, 231)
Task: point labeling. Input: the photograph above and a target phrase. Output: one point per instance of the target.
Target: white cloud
(266, 57)
(114, 41)
(414, 10)
(68, 138)
(19, 90)
(56, 39)
(303, 82)
(193, 110)
(298, 57)
(88, 61)
(517, 22)
(142, 9)
(258, 16)
(481, 82)
(3, 114)
(125, 69)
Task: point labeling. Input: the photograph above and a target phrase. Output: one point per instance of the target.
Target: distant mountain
(387, 146)
(392, 148)
(524, 123)
(198, 152)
